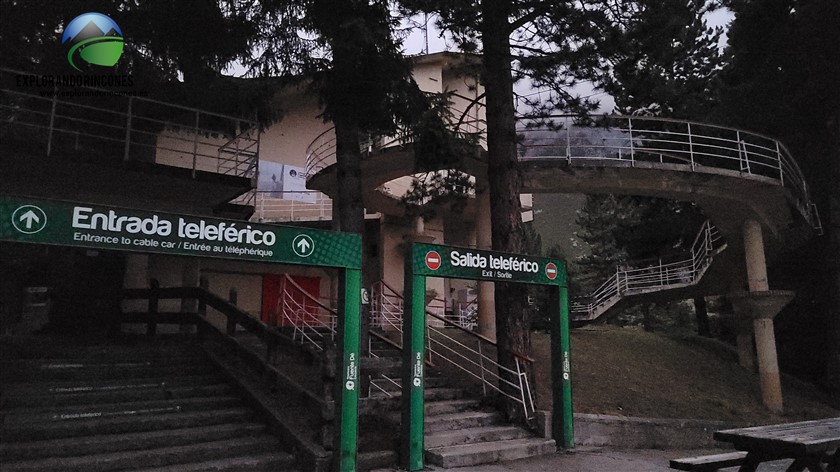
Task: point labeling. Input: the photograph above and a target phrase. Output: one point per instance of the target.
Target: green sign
(430, 260)
(106, 227)
(433, 260)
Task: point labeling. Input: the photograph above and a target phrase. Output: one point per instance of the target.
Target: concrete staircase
(133, 408)
(459, 430)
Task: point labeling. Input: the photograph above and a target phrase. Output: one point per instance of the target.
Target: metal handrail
(321, 152)
(476, 362)
(699, 147)
(129, 128)
(307, 327)
(647, 275)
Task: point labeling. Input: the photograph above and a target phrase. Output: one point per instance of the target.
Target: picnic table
(813, 445)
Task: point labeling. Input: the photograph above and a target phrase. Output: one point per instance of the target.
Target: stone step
(105, 443)
(113, 410)
(474, 435)
(376, 460)
(159, 457)
(486, 452)
(122, 424)
(430, 394)
(27, 371)
(268, 462)
(450, 406)
(98, 385)
(129, 392)
(461, 420)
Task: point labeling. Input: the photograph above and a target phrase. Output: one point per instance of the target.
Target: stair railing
(312, 322)
(478, 362)
(651, 275)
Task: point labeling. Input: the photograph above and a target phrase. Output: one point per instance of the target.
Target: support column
(486, 290)
(754, 251)
(761, 305)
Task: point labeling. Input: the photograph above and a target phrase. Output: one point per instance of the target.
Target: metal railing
(268, 207)
(479, 362)
(112, 126)
(671, 144)
(312, 322)
(320, 153)
(651, 275)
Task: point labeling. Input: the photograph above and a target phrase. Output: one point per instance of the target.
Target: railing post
(52, 119)
(617, 280)
(195, 143)
(481, 366)
(781, 171)
(632, 146)
(690, 147)
(661, 282)
(231, 322)
(568, 142)
(151, 324)
(127, 146)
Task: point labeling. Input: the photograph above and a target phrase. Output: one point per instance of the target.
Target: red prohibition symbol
(433, 260)
(551, 271)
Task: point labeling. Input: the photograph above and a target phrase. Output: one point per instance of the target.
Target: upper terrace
(98, 145)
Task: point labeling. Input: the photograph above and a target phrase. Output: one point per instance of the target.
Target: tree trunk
(832, 229)
(513, 332)
(702, 315)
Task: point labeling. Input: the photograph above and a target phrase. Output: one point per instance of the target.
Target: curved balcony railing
(651, 275)
(677, 145)
(320, 153)
(670, 144)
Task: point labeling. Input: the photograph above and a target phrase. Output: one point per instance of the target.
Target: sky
(416, 44)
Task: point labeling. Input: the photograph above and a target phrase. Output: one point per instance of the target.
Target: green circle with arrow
(29, 219)
(303, 245)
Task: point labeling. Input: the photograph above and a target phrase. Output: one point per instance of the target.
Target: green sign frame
(433, 260)
(63, 223)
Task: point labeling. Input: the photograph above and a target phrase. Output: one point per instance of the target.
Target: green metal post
(347, 402)
(562, 420)
(414, 332)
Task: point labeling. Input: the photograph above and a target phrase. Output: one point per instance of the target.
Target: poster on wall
(284, 181)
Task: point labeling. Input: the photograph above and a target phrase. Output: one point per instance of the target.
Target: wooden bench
(709, 463)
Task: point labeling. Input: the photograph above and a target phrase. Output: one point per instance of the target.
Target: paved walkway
(601, 460)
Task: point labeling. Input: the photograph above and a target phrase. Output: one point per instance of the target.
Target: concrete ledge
(646, 433)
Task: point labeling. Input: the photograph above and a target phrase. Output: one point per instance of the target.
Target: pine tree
(781, 79)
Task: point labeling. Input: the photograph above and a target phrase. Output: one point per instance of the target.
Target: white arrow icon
(30, 217)
(303, 245)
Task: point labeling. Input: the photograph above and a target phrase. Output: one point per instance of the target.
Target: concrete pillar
(761, 305)
(754, 251)
(486, 290)
(768, 364)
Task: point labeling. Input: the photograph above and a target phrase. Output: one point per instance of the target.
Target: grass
(629, 372)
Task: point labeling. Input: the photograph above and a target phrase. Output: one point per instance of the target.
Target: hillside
(629, 372)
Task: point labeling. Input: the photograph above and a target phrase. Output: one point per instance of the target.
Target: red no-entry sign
(433, 260)
(551, 271)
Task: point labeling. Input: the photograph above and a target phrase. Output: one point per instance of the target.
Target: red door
(298, 305)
